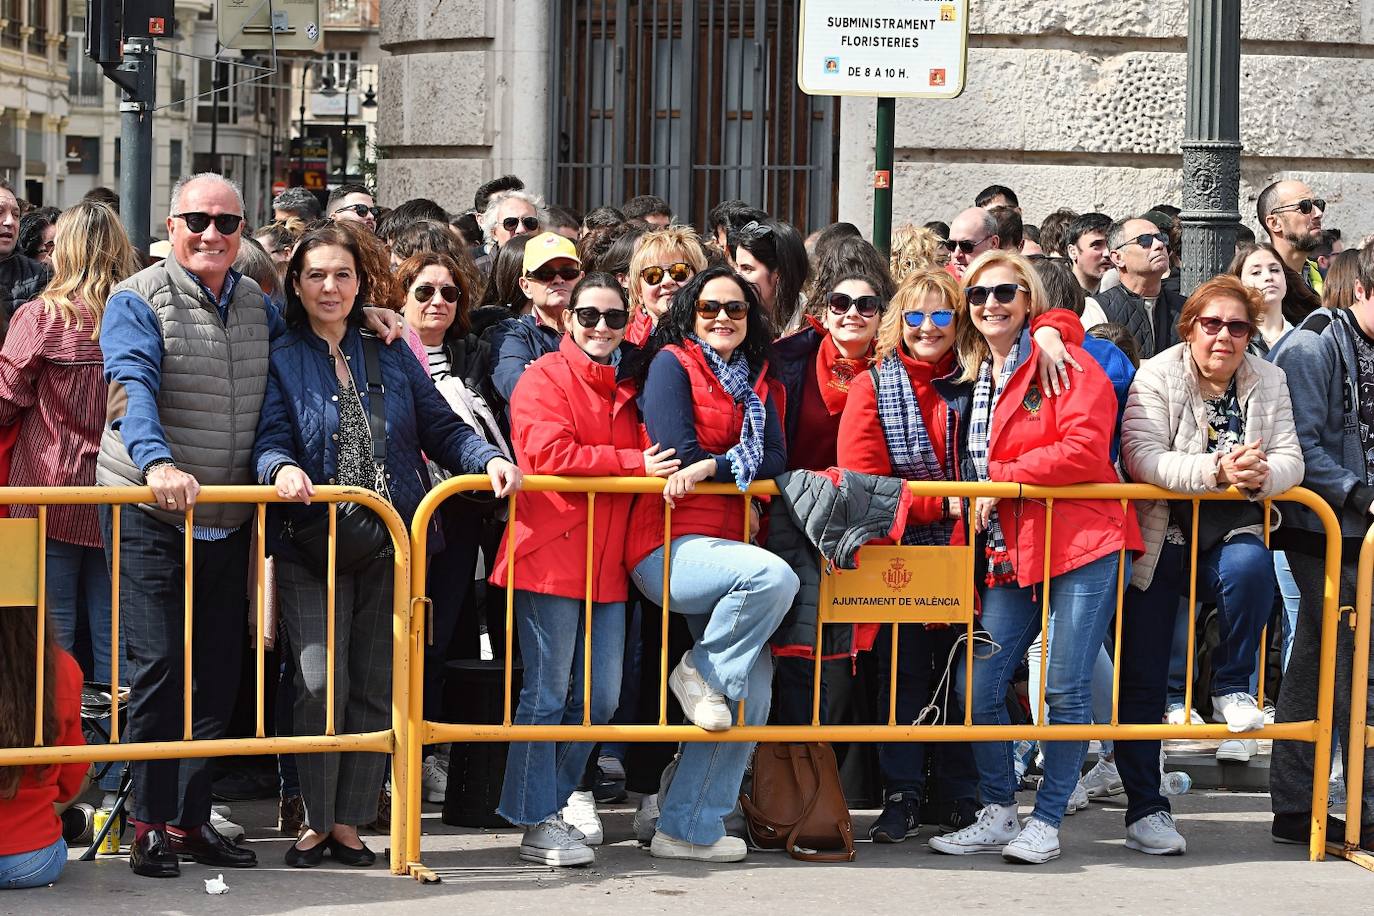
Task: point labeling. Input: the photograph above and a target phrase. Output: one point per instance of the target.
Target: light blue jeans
(1081, 605)
(1292, 598)
(38, 868)
(540, 775)
(1102, 686)
(734, 596)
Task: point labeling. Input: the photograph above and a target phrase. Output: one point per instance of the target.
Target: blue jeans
(33, 869)
(540, 775)
(1081, 605)
(1292, 598)
(78, 578)
(734, 595)
(1102, 687)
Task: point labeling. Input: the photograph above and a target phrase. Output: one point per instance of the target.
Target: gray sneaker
(1155, 835)
(551, 842)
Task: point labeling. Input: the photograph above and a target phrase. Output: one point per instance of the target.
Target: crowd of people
(388, 348)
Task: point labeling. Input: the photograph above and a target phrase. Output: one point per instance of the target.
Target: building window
(38, 23)
(174, 160)
(11, 36)
(85, 82)
(339, 66)
(228, 96)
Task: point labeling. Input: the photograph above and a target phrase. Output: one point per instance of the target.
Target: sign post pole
(882, 176)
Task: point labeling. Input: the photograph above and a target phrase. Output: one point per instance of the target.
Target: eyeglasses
(1304, 206)
(197, 222)
(841, 303)
(1002, 292)
(47, 247)
(941, 318)
(710, 308)
(425, 292)
(589, 317)
(963, 245)
(1241, 330)
(361, 210)
(530, 223)
(677, 272)
(1146, 241)
(546, 274)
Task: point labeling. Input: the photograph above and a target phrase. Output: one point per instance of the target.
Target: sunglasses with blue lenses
(941, 318)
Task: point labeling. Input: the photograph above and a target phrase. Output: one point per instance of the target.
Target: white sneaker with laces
(580, 813)
(702, 705)
(1078, 800)
(1238, 711)
(1103, 781)
(1237, 750)
(1155, 835)
(1036, 844)
(225, 827)
(996, 826)
(725, 849)
(434, 778)
(646, 819)
(1174, 715)
(550, 842)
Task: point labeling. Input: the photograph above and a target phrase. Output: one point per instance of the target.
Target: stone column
(1211, 145)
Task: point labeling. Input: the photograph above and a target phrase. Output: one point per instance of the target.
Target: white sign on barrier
(890, 48)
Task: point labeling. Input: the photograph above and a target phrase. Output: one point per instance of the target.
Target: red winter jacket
(639, 328)
(718, 419)
(570, 416)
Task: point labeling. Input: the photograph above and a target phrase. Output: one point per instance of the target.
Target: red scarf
(834, 372)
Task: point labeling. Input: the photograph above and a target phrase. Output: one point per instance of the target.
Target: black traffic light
(109, 23)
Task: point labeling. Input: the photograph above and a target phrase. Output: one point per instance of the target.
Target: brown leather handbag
(796, 803)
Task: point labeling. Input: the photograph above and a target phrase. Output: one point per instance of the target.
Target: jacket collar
(190, 284)
(1246, 378)
(601, 376)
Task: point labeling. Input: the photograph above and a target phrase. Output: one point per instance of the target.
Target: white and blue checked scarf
(909, 448)
(1000, 569)
(747, 455)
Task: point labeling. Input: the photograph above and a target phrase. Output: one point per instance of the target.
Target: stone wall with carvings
(1080, 104)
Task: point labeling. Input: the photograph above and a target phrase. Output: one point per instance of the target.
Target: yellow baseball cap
(548, 246)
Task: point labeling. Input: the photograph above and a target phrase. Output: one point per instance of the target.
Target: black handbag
(359, 534)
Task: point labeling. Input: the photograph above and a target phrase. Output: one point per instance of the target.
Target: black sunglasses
(1146, 240)
(425, 292)
(963, 245)
(1304, 206)
(1240, 330)
(530, 223)
(546, 274)
(841, 303)
(752, 231)
(1002, 292)
(710, 308)
(589, 317)
(361, 210)
(678, 273)
(197, 222)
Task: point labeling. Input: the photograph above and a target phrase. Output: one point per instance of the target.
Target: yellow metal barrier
(1349, 848)
(22, 584)
(1317, 731)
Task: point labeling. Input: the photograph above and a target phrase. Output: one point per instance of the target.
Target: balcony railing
(350, 14)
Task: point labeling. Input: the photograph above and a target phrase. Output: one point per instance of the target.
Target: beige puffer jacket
(1164, 438)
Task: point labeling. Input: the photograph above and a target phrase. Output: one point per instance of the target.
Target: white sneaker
(580, 813)
(1270, 714)
(225, 827)
(1078, 800)
(1156, 835)
(702, 705)
(1237, 750)
(222, 810)
(1174, 716)
(725, 849)
(996, 826)
(1036, 844)
(434, 778)
(1103, 781)
(646, 819)
(1238, 711)
(551, 843)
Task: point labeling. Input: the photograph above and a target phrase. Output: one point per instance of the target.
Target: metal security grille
(693, 100)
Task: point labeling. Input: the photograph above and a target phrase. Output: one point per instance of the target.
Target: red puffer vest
(718, 419)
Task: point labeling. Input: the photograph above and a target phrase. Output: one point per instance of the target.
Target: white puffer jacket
(1164, 438)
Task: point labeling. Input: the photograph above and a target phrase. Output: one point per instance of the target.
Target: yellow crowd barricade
(942, 571)
(23, 586)
(1361, 736)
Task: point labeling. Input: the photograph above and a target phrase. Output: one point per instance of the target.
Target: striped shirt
(439, 367)
(52, 383)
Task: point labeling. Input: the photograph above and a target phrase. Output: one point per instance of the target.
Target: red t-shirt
(27, 821)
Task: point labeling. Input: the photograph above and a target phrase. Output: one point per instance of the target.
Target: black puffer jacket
(21, 279)
(1126, 308)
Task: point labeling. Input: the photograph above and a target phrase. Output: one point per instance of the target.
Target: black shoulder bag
(359, 534)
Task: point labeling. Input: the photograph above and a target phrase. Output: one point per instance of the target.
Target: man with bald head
(1292, 215)
(973, 232)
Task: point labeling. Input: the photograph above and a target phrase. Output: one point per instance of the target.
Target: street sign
(248, 25)
(888, 48)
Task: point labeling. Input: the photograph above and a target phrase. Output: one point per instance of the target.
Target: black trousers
(152, 623)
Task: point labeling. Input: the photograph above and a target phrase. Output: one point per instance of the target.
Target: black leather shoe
(152, 856)
(347, 855)
(305, 858)
(204, 845)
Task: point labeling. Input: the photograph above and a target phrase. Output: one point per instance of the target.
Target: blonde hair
(913, 249)
(654, 245)
(969, 342)
(912, 295)
(91, 253)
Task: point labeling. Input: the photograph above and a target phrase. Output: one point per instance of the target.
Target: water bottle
(1175, 783)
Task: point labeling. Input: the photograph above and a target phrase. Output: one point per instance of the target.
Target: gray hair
(300, 202)
(183, 183)
(1116, 232)
(494, 207)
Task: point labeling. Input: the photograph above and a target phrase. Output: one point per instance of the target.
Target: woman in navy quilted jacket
(314, 427)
